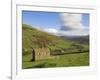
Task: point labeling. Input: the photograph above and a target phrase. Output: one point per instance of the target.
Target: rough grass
(70, 58)
(28, 39)
(67, 60)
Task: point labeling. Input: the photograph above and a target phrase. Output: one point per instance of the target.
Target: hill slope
(78, 39)
(34, 38)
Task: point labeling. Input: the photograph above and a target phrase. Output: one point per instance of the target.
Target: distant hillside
(79, 39)
(34, 38)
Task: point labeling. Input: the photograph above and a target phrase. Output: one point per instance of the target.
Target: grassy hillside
(78, 39)
(30, 35)
(34, 38)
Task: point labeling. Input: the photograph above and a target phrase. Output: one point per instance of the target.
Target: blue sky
(51, 22)
(47, 19)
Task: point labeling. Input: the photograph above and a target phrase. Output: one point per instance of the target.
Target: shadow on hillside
(77, 52)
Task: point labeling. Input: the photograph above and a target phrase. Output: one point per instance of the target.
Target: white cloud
(71, 21)
(51, 30)
(73, 25)
(81, 32)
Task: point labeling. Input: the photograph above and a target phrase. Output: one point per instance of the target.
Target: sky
(52, 22)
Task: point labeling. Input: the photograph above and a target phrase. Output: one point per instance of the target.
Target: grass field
(75, 51)
(67, 60)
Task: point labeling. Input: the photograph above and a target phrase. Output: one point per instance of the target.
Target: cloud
(71, 21)
(72, 24)
(51, 30)
(82, 32)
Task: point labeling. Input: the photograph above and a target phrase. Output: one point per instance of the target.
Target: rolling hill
(34, 38)
(78, 39)
(71, 53)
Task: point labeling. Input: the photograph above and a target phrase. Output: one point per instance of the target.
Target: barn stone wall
(42, 53)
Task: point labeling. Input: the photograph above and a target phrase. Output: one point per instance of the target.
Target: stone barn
(41, 53)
